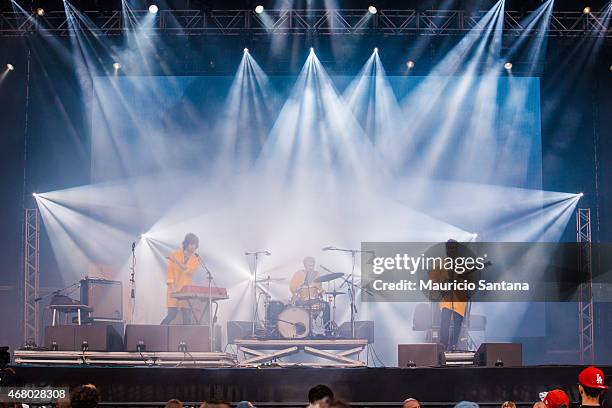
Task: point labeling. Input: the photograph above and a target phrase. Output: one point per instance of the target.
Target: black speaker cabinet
(363, 330)
(510, 354)
(154, 336)
(104, 296)
(238, 330)
(62, 336)
(99, 337)
(196, 338)
(421, 355)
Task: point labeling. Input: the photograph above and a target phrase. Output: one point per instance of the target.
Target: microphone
(133, 246)
(328, 248)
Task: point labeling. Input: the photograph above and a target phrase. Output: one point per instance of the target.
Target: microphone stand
(255, 302)
(210, 313)
(353, 253)
(133, 282)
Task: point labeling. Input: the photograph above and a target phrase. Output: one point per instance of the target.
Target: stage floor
(290, 385)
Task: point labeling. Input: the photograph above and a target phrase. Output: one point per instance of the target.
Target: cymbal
(269, 279)
(329, 277)
(335, 293)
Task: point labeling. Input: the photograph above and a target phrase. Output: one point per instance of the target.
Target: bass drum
(294, 323)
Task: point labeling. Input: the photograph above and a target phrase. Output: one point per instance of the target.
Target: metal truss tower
(31, 276)
(585, 305)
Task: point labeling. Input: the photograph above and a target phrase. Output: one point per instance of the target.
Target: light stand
(255, 302)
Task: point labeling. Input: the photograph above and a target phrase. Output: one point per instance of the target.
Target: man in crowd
(85, 396)
(556, 399)
(591, 386)
(411, 403)
(320, 396)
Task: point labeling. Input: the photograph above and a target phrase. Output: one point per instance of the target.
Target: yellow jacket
(179, 274)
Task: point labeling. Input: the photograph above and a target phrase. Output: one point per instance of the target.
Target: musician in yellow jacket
(182, 264)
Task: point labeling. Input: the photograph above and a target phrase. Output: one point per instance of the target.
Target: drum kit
(308, 313)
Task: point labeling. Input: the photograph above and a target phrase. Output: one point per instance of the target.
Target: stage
(289, 386)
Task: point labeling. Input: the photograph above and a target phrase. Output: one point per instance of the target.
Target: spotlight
(153, 9)
(410, 64)
(54, 346)
(246, 50)
(376, 49)
(116, 66)
(34, 195)
(259, 9)
(581, 195)
(586, 10)
(508, 66)
(499, 363)
(84, 345)
(182, 347)
(311, 50)
(40, 11)
(372, 10)
(141, 347)
(10, 67)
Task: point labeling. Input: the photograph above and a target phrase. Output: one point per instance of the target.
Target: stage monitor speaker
(153, 336)
(419, 355)
(496, 354)
(238, 330)
(62, 336)
(195, 338)
(363, 330)
(105, 297)
(99, 337)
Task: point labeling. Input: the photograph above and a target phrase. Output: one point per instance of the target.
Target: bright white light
(10, 67)
(410, 64)
(376, 49)
(246, 50)
(117, 66)
(508, 66)
(311, 49)
(259, 9)
(153, 9)
(34, 195)
(40, 11)
(372, 10)
(581, 194)
(586, 10)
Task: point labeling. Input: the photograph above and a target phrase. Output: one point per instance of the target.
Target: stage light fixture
(259, 9)
(116, 66)
(586, 10)
(10, 67)
(311, 50)
(581, 195)
(508, 66)
(410, 64)
(141, 347)
(372, 10)
(84, 345)
(40, 11)
(34, 195)
(153, 9)
(246, 50)
(376, 49)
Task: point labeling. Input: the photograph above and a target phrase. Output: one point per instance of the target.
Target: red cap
(556, 398)
(592, 377)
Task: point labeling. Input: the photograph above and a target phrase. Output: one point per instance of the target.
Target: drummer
(305, 290)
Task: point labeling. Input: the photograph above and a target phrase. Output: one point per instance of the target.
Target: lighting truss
(308, 22)
(585, 305)
(31, 276)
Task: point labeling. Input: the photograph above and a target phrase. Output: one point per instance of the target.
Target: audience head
(216, 404)
(508, 404)
(320, 395)
(85, 396)
(591, 385)
(539, 404)
(556, 399)
(244, 404)
(411, 403)
(174, 403)
(466, 404)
